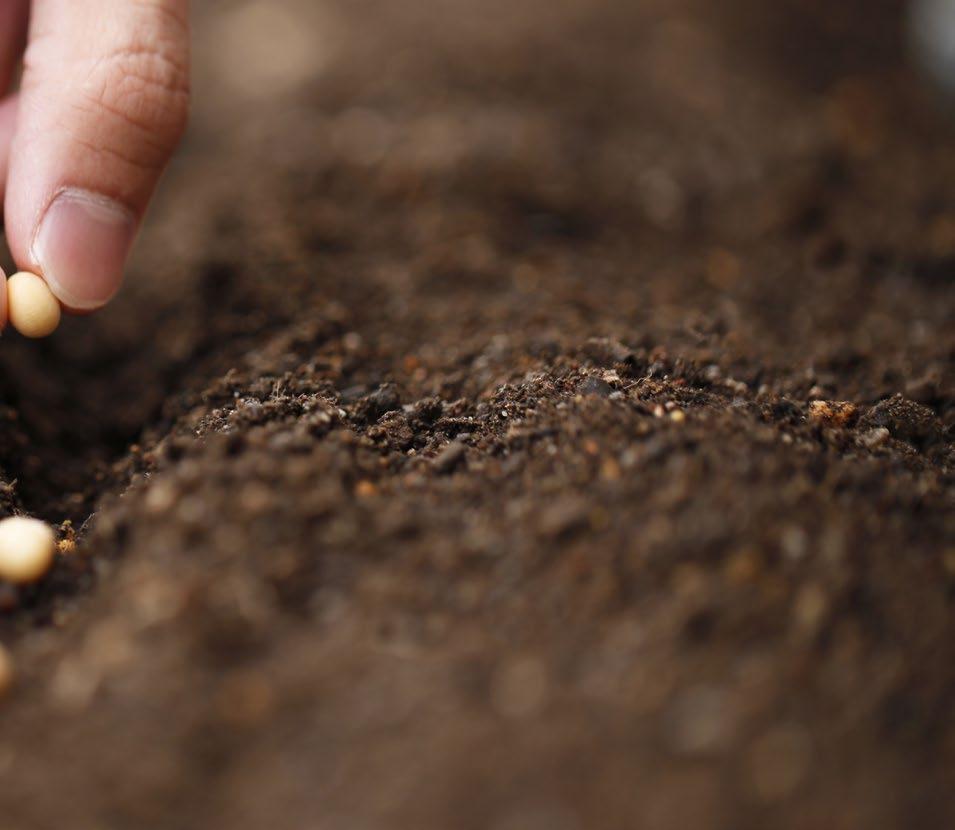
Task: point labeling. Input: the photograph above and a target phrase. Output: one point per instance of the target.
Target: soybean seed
(26, 549)
(33, 310)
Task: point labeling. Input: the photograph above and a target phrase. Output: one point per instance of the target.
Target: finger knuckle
(143, 83)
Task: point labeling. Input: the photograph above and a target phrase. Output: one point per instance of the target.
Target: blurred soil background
(520, 415)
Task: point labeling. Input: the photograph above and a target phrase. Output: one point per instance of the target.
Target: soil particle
(594, 386)
(609, 354)
(833, 414)
(905, 420)
(449, 458)
(383, 400)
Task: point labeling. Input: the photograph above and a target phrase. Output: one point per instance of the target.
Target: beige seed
(33, 310)
(26, 549)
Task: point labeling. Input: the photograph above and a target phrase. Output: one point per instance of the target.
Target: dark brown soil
(539, 418)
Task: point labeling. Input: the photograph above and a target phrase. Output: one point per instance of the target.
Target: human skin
(101, 105)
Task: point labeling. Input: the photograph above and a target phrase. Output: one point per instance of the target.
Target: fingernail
(81, 247)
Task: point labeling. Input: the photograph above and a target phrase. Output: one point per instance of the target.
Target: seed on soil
(26, 549)
(33, 310)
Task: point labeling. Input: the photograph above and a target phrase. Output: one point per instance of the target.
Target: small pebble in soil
(874, 438)
(26, 549)
(33, 310)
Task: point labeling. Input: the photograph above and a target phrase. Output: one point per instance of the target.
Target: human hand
(102, 104)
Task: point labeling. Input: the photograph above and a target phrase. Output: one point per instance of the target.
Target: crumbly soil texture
(519, 415)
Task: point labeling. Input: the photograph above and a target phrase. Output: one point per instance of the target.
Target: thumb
(103, 103)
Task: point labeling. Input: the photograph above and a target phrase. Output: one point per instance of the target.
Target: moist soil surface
(519, 415)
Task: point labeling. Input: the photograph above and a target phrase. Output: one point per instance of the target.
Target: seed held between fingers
(31, 306)
(27, 547)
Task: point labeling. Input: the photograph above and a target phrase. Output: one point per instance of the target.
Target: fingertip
(81, 247)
